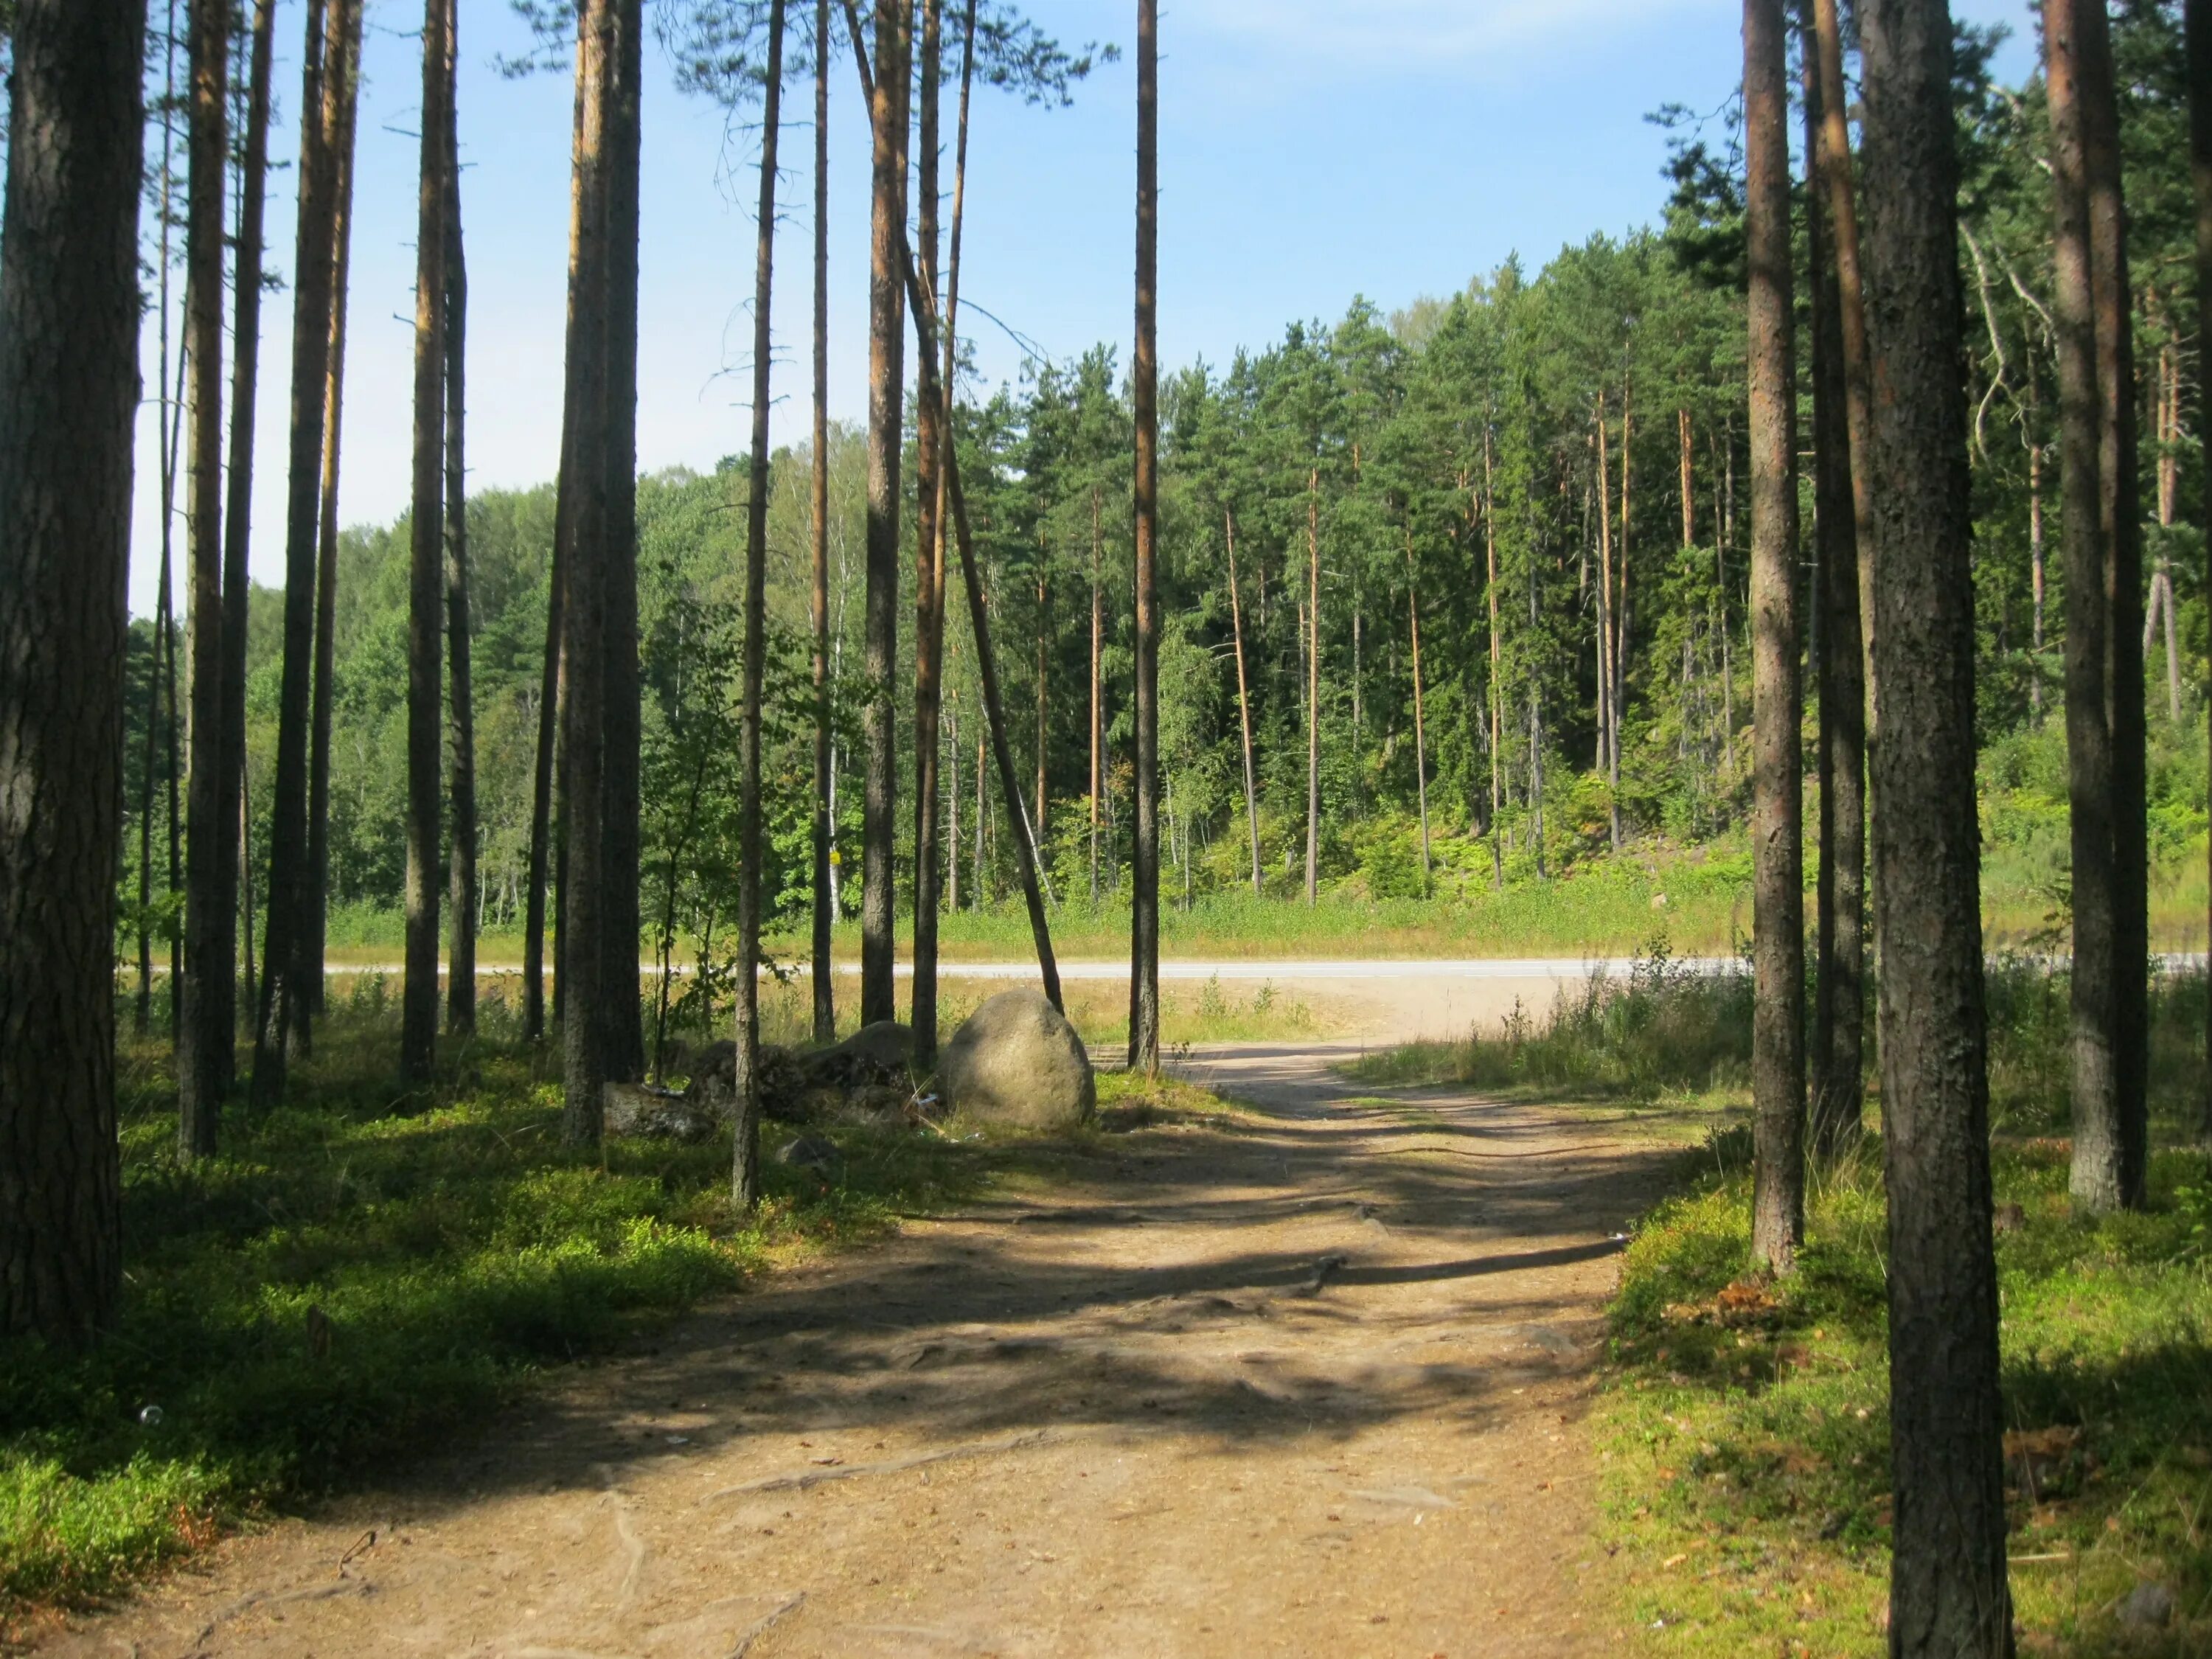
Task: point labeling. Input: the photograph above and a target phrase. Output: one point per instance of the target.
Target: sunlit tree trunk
(1839, 1016)
(931, 435)
(1144, 385)
(461, 967)
(237, 518)
(169, 409)
(886, 433)
(1420, 728)
(1243, 718)
(418, 1006)
(69, 389)
(201, 1072)
(824, 886)
(2197, 15)
(1948, 1596)
(314, 922)
(1313, 686)
(1777, 1069)
(745, 1170)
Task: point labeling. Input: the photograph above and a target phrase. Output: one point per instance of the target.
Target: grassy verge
(362, 1271)
(1745, 1433)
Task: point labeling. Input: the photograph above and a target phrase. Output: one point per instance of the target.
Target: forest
(430, 972)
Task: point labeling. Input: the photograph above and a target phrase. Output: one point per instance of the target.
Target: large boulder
(1018, 1063)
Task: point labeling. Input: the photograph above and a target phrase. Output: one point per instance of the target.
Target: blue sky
(1310, 150)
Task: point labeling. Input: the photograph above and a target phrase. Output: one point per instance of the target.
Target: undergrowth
(364, 1269)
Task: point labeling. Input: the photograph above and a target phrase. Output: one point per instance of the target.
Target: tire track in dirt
(1311, 1384)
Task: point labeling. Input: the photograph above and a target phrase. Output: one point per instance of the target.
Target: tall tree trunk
(418, 1006)
(1839, 993)
(1948, 1596)
(1243, 714)
(314, 922)
(930, 437)
(619, 1004)
(2033, 438)
(825, 891)
(170, 408)
(1144, 380)
(237, 518)
(1621, 615)
(549, 774)
(745, 1163)
(68, 391)
(282, 1015)
(1098, 684)
(1043, 684)
(1777, 1067)
(1497, 698)
(582, 522)
(208, 966)
(2119, 1174)
(1606, 691)
(2197, 23)
(1313, 686)
(1420, 728)
(461, 967)
(2099, 1178)
(886, 433)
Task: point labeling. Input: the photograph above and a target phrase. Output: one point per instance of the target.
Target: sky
(1311, 151)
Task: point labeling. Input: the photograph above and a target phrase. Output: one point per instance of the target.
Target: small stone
(2147, 1606)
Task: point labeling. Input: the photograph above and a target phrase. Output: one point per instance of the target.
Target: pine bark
(237, 518)
(2196, 24)
(1777, 1067)
(620, 1006)
(1144, 382)
(2099, 1178)
(419, 1006)
(824, 913)
(1313, 687)
(1838, 1059)
(69, 389)
(745, 1173)
(582, 514)
(931, 435)
(1949, 1595)
(314, 922)
(461, 862)
(1097, 683)
(282, 1015)
(1243, 709)
(886, 435)
(201, 1072)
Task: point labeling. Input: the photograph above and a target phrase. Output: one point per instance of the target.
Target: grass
(363, 1271)
(1743, 1426)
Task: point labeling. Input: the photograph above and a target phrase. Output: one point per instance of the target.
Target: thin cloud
(1421, 34)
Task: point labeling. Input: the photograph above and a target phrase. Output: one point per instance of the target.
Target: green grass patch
(364, 1270)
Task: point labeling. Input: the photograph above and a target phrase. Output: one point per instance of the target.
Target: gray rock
(2147, 1606)
(887, 1045)
(1018, 1063)
(639, 1109)
(807, 1152)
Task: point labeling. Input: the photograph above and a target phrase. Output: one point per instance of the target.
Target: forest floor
(1309, 1376)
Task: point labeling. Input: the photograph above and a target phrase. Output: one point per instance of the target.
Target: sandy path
(1310, 1385)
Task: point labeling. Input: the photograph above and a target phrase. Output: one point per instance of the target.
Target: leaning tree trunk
(582, 523)
(1144, 380)
(1948, 1597)
(2196, 17)
(68, 391)
(419, 1006)
(746, 1175)
(1777, 1065)
(2098, 1180)
(237, 518)
(1839, 993)
(282, 1014)
(2126, 1161)
(201, 1072)
(886, 432)
(315, 913)
(825, 1003)
(461, 968)
(931, 436)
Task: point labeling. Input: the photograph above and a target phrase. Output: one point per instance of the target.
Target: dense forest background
(1482, 512)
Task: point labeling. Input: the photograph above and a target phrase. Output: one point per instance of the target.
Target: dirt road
(1311, 1383)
